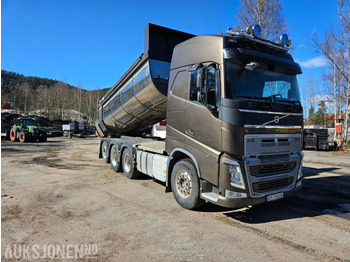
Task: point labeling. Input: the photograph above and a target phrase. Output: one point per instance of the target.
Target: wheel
(104, 152)
(115, 160)
(13, 135)
(128, 164)
(185, 185)
(42, 137)
(23, 137)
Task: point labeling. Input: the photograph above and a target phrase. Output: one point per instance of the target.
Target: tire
(13, 135)
(185, 185)
(23, 137)
(128, 164)
(115, 159)
(42, 137)
(104, 149)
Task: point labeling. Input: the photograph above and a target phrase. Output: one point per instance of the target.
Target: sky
(91, 43)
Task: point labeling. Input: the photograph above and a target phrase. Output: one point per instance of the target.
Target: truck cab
(234, 109)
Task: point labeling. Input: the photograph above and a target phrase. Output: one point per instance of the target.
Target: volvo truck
(233, 115)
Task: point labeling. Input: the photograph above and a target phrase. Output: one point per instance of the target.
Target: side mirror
(200, 78)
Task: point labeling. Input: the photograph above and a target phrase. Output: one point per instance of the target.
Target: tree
(310, 89)
(319, 117)
(267, 13)
(336, 48)
(311, 113)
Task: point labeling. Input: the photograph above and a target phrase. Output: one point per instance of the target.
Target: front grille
(263, 170)
(272, 184)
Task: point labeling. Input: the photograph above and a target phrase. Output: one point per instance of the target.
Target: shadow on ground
(319, 196)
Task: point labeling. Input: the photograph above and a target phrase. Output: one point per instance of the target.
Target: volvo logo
(277, 119)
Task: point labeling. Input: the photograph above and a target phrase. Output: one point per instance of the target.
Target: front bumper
(222, 200)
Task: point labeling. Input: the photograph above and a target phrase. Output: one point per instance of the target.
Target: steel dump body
(139, 98)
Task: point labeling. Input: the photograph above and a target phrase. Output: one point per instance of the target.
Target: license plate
(274, 197)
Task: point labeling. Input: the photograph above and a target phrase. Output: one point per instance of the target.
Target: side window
(205, 85)
(180, 87)
(194, 88)
(213, 87)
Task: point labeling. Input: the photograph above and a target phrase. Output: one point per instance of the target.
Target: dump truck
(233, 115)
(25, 130)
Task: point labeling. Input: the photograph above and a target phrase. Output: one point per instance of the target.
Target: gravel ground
(59, 196)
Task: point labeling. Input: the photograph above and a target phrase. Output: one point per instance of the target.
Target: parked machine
(25, 130)
(73, 129)
(234, 120)
(316, 138)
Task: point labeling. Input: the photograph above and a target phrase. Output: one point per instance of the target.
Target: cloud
(319, 61)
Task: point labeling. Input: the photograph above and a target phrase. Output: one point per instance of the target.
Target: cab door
(202, 126)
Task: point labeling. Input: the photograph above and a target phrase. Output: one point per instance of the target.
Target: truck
(73, 129)
(25, 130)
(233, 115)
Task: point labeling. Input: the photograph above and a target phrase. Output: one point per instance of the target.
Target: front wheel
(23, 137)
(42, 137)
(185, 185)
(129, 168)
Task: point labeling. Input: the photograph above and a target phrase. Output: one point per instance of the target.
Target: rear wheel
(104, 152)
(115, 159)
(128, 164)
(23, 137)
(42, 137)
(185, 185)
(13, 135)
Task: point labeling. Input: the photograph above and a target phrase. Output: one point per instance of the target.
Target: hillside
(51, 98)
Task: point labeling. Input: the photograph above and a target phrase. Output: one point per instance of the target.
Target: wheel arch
(176, 155)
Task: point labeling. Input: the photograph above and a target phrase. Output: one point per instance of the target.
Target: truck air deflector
(240, 53)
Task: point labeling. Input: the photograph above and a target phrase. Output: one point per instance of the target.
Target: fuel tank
(139, 97)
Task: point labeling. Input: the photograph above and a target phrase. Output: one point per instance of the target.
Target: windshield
(27, 122)
(257, 80)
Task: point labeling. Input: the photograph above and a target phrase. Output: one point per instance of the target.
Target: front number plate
(274, 197)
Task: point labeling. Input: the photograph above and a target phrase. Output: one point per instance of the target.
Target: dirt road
(60, 194)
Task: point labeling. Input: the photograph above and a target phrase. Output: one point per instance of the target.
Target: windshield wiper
(268, 99)
(287, 101)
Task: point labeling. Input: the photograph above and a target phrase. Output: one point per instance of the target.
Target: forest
(49, 98)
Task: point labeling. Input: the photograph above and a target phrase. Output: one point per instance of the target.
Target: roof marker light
(256, 30)
(284, 39)
(249, 30)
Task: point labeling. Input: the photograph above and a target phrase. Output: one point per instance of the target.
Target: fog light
(236, 177)
(232, 194)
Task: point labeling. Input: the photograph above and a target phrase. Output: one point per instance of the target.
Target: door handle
(189, 132)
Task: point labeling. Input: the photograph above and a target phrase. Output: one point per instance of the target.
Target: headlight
(236, 178)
